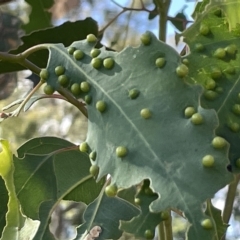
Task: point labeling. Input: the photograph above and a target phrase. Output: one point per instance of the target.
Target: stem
(19, 109)
(232, 187)
(168, 227)
(163, 8)
(161, 234)
(74, 101)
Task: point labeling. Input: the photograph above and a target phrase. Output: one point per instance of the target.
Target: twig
(161, 233)
(73, 101)
(168, 227)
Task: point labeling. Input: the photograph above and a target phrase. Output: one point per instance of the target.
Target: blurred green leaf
(75, 31)
(179, 21)
(40, 17)
(50, 169)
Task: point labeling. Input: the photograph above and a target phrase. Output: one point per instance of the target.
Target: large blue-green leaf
(167, 148)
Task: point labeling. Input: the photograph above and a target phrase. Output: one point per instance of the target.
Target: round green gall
(63, 80)
(75, 89)
(78, 54)
(93, 155)
(210, 95)
(85, 87)
(83, 147)
(208, 161)
(204, 29)
(133, 93)
(94, 170)
(111, 190)
(101, 106)
(235, 127)
(207, 224)
(44, 75)
(71, 50)
(189, 111)
(59, 70)
(236, 109)
(108, 63)
(121, 151)
(146, 39)
(88, 99)
(95, 52)
(230, 69)
(220, 53)
(216, 73)
(160, 62)
(148, 234)
(96, 62)
(199, 47)
(197, 119)
(237, 163)
(91, 38)
(48, 89)
(219, 89)
(185, 61)
(145, 113)
(210, 84)
(231, 49)
(164, 215)
(137, 201)
(219, 142)
(182, 70)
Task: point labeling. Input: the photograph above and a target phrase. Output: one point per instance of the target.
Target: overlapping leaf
(225, 72)
(48, 170)
(106, 213)
(167, 148)
(75, 31)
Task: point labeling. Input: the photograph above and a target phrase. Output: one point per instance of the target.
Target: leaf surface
(167, 148)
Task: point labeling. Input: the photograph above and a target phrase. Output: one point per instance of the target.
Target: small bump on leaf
(145, 113)
(121, 151)
(146, 39)
(44, 75)
(210, 95)
(216, 73)
(199, 47)
(63, 80)
(83, 147)
(210, 84)
(208, 161)
(96, 62)
(220, 53)
(182, 70)
(235, 127)
(149, 234)
(133, 93)
(59, 70)
(71, 50)
(108, 63)
(137, 201)
(75, 89)
(231, 49)
(230, 69)
(189, 111)
(48, 89)
(88, 99)
(207, 224)
(236, 109)
(219, 142)
(85, 86)
(237, 163)
(185, 61)
(95, 52)
(111, 190)
(165, 215)
(91, 38)
(93, 155)
(204, 29)
(78, 54)
(160, 62)
(94, 169)
(197, 119)
(101, 106)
